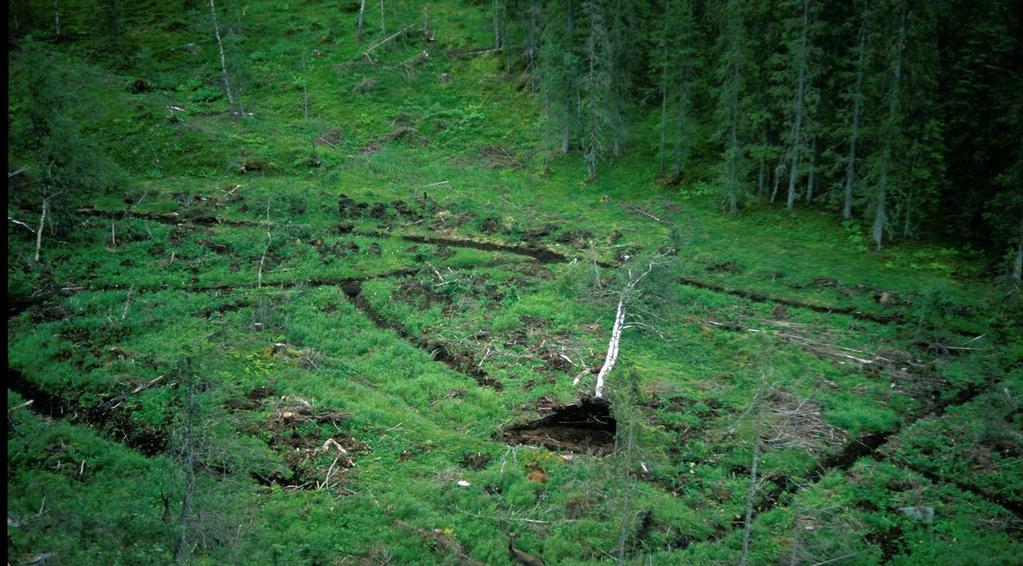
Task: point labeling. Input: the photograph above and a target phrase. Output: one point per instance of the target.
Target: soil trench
(19, 305)
(112, 424)
(857, 448)
(585, 426)
(760, 298)
(460, 362)
(543, 255)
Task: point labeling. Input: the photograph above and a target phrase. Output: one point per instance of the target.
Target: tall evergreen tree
(595, 103)
(892, 128)
(732, 65)
(856, 95)
(678, 66)
(800, 112)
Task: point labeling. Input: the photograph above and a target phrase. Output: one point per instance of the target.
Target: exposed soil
(760, 298)
(114, 423)
(865, 446)
(297, 433)
(585, 426)
(461, 362)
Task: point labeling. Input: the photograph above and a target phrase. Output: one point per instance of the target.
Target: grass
(136, 305)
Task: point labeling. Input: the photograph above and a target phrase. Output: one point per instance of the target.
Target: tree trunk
(763, 169)
(880, 214)
(909, 209)
(850, 170)
(797, 128)
(679, 125)
(56, 20)
(733, 109)
(813, 169)
(223, 59)
(779, 170)
(189, 464)
(616, 91)
(751, 492)
(593, 151)
(664, 109)
(547, 120)
(39, 232)
(383, 28)
(532, 41)
(612, 347)
(362, 13)
(1017, 270)
(496, 14)
(573, 84)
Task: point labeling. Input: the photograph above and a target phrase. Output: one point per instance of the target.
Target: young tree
(61, 167)
(223, 62)
(361, 20)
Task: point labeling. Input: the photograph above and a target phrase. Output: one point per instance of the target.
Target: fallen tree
(619, 326)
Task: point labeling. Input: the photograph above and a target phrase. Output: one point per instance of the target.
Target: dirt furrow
(108, 420)
(541, 254)
(461, 362)
(761, 298)
(19, 305)
(866, 446)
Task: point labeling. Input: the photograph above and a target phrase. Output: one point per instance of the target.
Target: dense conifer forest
(515, 282)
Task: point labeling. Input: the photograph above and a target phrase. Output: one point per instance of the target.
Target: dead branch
(116, 401)
(20, 223)
(127, 303)
(21, 406)
(19, 171)
(640, 210)
(403, 31)
(269, 240)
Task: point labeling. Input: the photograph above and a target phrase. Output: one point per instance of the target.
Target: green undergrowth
(228, 280)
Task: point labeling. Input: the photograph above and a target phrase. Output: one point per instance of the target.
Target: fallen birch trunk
(619, 326)
(612, 347)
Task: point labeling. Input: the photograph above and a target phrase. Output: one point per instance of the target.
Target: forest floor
(367, 354)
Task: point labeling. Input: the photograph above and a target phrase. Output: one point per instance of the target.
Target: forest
(515, 282)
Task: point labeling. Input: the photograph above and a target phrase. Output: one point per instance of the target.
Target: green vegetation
(353, 309)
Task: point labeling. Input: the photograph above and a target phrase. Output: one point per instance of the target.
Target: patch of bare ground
(315, 447)
(585, 426)
(111, 418)
(460, 361)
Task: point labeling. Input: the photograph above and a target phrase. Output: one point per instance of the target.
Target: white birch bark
(612, 348)
(39, 232)
(223, 59)
(362, 14)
